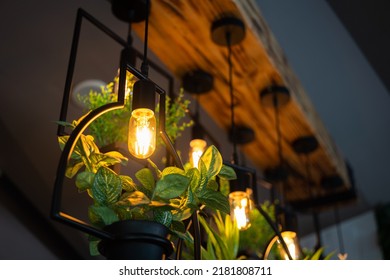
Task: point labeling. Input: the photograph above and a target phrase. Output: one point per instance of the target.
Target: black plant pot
(136, 240)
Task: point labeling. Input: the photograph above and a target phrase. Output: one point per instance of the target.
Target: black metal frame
(126, 53)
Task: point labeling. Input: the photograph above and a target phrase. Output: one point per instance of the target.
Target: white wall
(359, 235)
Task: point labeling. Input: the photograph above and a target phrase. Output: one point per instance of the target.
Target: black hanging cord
(129, 37)
(233, 128)
(339, 233)
(316, 221)
(144, 65)
(280, 152)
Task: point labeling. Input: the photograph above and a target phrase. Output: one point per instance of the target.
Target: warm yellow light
(197, 146)
(239, 209)
(142, 133)
(291, 240)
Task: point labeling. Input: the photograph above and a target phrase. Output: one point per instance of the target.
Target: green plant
(316, 255)
(167, 196)
(253, 241)
(222, 237)
(112, 126)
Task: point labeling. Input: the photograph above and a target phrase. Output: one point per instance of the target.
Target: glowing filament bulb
(142, 133)
(291, 240)
(198, 146)
(239, 209)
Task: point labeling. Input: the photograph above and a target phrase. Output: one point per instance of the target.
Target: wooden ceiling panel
(179, 34)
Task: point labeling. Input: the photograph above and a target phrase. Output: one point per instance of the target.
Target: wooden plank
(179, 34)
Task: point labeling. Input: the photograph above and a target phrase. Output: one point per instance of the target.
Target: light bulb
(197, 146)
(239, 209)
(291, 240)
(142, 133)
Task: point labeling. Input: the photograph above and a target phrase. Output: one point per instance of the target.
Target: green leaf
(213, 185)
(154, 166)
(224, 186)
(118, 156)
(66, 124)
(84, 180)
(182, 214)
(106, 187)
(185, 236)
(178, 226)
(145, 177)
(172, 170)
(99, 160)
(194, 176)
(104, 214)
(135, 198)
(227, 173)
(128, 183)
(163, 217)
(72, 168)
(203, 177)
(210, 252)
(221, 251)
(171, 186)
(93, 248)
(191, 201)
(215, 200)
(212, 160)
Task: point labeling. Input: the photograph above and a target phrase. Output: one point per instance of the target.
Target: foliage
(226, 242)
(112, 126)
(223, 237)
(167, 196)
(316, 255)
(254, 240)
(109, 128)
(176, 110)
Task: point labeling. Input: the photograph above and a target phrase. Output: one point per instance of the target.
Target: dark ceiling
(368, 23)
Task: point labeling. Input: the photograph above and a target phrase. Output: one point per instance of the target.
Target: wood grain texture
(180, 35)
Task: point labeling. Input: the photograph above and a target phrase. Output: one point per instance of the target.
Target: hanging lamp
(197, 83)
(277, 96)
(306, 146)
(230, 31)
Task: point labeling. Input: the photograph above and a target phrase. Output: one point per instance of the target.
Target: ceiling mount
(130, 11)
(275, 95)
(276, 174)
(305, 145)
(229, 25)
(332, 182)
(241, 135)
(197, 82)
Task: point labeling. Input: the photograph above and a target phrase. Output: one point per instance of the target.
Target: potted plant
(165, 197)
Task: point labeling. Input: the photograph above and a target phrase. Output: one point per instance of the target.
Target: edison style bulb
(240, 209)
(291, 240)
(197, 147)
(142, 133)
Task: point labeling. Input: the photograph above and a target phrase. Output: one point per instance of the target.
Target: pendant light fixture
(142, 125)
(305, 146)
(197, 83)
(277, 96)
(229, 31)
